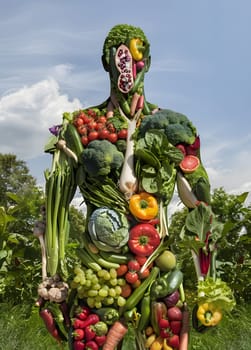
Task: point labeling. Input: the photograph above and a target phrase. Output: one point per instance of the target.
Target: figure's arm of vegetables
(60, 188)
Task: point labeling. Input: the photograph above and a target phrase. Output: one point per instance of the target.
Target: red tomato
(122, 134)
(103, 134)
(131, 277)
(82, 130)
(122, 270)
(144, 274)
(102, 119)
(91, 113)
(99, 126)
(141, 259)
(78, 121)
(113, 137)
(92, 125)
(133, 265)
(84, 140)
(93, 135)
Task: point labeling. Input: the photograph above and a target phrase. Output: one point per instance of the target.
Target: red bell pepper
(143, 239)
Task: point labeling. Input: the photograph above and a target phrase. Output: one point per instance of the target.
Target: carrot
(134, 103)
(50, 324)
(184, 329)
(114, 336)
(140, 103)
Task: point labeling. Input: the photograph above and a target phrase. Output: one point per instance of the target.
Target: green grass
(18, 331)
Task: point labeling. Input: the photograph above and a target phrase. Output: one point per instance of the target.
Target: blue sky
(201, 66)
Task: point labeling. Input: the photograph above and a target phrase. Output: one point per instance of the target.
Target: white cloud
(26, 115)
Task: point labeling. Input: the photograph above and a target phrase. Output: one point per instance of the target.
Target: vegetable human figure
(126, 155)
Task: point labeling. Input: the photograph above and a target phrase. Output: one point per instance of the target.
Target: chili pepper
(131, 315)
(143, 206)
(91, 319)
(136, 46)
(158, 312)
(145, 312)
(143, 239)
(209, 314)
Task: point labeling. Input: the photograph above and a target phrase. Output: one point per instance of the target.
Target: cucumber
(174, 279)
(73, 140)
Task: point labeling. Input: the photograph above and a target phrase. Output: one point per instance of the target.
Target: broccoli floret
(176, 126)
(101, 157)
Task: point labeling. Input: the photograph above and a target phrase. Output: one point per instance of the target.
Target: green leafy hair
(122, 33)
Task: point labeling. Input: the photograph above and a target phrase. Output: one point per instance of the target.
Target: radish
(128, 182)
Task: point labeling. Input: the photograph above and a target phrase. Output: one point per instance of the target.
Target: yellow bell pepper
(157, 344)
(136, 46)
(209, 314)
(143, 206)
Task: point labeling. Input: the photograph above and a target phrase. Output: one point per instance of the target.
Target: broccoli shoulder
(176, 126)
(101, 157)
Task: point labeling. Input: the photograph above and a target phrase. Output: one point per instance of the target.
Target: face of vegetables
(129, 62)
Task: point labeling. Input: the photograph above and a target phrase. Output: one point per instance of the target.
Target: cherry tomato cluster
(131, 271)
(92, 126)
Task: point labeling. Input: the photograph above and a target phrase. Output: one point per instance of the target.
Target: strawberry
(175, 326)
(174, 341)
(78, 345)
(78, 334)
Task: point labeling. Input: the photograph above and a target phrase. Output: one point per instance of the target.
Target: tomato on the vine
(102, 119)
(93, 135)
(133, 265)
(113, 137)
(103, 134)
(82, 129)
(122, 270)
(144, 274)
(122, 134)
(131, 277)
(84, 140)
(141, 259)
(78, 121)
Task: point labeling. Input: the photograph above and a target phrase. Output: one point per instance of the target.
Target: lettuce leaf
(216, 291)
